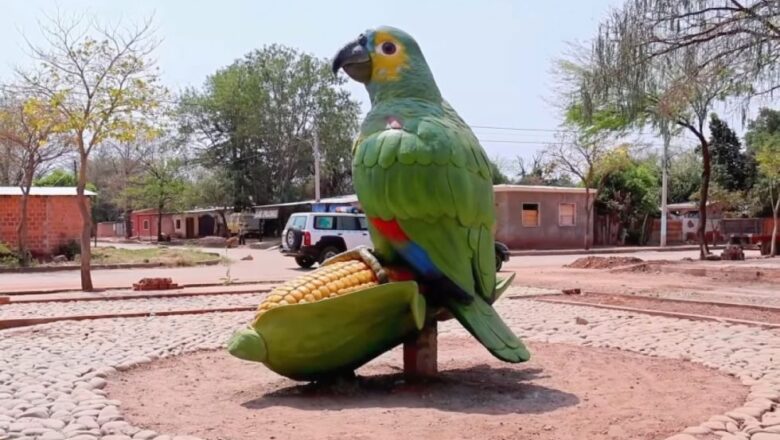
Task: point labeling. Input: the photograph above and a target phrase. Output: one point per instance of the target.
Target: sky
(492, 59)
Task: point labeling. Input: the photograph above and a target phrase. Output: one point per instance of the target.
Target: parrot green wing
(434, 179)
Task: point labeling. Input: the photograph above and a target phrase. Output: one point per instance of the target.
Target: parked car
(313, 237)
(243, 223)
(502, 255)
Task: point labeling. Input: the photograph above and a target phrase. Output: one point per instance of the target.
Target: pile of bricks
(5, 300)
(155, 284)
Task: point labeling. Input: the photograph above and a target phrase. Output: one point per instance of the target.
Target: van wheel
(305, 262)
(329, 252)
(499, 262)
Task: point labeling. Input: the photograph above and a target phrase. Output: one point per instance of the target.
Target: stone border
(38, 269)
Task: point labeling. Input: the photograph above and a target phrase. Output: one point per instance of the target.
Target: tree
(540, 171)
(685, 171)
(28, 126)
(162, 186)
(763, 137)
(103, 83)
(744, 35)
(587, 157)
(630, 191)
(257, 119)
(212, 190)
(768, 157)
(499, 178)
(733, 169)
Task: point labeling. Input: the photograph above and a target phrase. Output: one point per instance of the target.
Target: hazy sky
(491, 59)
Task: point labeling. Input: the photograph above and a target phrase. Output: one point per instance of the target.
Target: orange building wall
(51, 221)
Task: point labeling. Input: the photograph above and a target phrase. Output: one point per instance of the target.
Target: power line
(544, 130)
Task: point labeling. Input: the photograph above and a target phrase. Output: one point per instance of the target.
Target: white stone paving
(51, 376)
(75, 308)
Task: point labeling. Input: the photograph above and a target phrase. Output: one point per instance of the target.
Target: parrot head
(390, 63)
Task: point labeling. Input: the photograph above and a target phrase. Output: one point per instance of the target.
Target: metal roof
(350, 198)
(541, 188)
(43, 191)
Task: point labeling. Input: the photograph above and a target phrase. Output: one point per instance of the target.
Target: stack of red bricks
(155, 284)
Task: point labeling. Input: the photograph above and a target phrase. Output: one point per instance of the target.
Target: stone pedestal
(420, 354)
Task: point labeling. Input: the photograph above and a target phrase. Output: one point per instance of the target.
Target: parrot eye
(387, 48)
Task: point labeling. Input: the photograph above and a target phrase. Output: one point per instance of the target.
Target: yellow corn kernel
(274, 298)
(290, 299)
(309, 297)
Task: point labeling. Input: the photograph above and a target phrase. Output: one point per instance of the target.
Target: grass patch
(162, 255)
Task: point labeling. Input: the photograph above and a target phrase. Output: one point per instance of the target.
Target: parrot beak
(355, 61)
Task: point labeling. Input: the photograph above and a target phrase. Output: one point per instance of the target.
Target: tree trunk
(128, 223)
(775, 213)
(223, 230)
(159, 222)
(705, 187)
(588, 213)
(86, 226)
(21, 230)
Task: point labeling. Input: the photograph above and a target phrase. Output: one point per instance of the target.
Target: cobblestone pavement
(73, 308)
(52, 376)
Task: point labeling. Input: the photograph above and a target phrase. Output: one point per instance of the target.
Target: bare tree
(105, 86)
(590, 159)
(27, 128)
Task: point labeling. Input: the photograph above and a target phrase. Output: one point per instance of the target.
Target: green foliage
(60, 177)
(763, 138)
(499, 178)
(162, 186)
(631, 192)
(69, 249)
(733, 169)
(257, 118)
(684, 176)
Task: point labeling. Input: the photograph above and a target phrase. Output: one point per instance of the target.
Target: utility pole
(316, 165)
(664, 182)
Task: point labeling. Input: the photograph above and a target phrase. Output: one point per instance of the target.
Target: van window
(297, 222)
(324, 222)
(363, 222)
(347, 223)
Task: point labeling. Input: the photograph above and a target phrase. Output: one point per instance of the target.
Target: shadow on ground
(476, 390)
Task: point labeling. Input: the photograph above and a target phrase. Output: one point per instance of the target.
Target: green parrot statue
(425, 184)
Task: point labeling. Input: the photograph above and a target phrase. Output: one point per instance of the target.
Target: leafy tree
(28, 126)
(741, 34)
(103, 83)
(499, 178)
(212, 190)
(768, 157)
(685, 172)
(163, 186)
(257, 118)
(733, 169)
(631, 192)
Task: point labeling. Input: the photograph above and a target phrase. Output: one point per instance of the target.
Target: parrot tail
(484, 323)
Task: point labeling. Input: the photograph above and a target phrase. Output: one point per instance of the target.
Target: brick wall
(51, 221)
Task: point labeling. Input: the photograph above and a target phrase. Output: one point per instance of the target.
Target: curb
(103, 267)
(631, 250)
(693, 317)
(26, 322)
(145, 296)
(103, 289)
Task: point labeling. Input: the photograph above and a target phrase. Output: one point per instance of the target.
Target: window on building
(530, 215)
(146, 225)
(178, 224)
(566, 214)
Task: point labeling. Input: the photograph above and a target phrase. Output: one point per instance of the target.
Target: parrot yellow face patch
(389, 58)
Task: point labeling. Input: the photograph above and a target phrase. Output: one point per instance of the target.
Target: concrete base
(420, 354)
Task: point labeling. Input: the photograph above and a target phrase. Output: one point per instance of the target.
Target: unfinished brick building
(53, 217)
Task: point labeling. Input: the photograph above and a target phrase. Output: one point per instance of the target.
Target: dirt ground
(722, 311)
(564, 392)
(752, 282)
